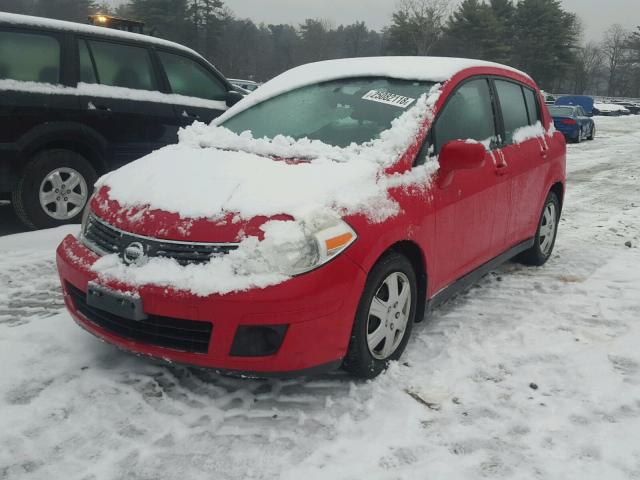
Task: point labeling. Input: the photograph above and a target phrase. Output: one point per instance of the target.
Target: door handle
(100, 109)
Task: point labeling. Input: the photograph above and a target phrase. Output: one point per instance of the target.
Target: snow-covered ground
(532, 374)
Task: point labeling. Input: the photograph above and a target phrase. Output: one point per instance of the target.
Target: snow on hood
(434, 69)
(213, 172)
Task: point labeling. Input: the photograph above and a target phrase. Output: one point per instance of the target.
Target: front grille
(174, 333)
(104, 239)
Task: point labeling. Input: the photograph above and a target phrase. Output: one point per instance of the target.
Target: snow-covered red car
(313, 223)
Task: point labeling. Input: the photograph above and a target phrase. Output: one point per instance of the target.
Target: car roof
(16, 20)
(432, 69)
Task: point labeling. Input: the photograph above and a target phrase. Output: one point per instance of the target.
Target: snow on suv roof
(61, 25)
(434, 69)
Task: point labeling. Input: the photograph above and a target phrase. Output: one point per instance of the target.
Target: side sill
(472, 277)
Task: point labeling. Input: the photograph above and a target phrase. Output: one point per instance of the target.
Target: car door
(120, 97)
(466, 208)
(526, 162)
(31, 63)
(199, 93)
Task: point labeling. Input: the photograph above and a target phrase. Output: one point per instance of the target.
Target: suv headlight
(293, 250)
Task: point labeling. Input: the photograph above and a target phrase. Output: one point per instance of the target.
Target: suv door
(120, 97)
(525, 162)
(35, 57)
(465, 210)
(199, 92)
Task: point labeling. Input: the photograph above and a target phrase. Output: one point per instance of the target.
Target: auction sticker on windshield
(388, 98)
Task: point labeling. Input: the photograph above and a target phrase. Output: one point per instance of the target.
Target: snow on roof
(61, 25)
(433, 69)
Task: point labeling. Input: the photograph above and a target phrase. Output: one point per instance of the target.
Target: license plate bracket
(121, 304)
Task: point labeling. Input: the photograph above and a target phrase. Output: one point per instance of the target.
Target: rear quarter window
(532, 106)
(514, 109)
(29, 57)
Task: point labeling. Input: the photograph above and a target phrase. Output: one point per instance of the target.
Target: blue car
(585, 101)
(573, 122)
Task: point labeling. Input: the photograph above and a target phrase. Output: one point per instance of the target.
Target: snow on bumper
(315, 311)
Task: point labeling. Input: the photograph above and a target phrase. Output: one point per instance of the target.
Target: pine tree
(546, 40)
(475, 31)
(165, 18)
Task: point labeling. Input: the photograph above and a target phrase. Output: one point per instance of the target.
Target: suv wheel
(53, 189)
(592, 135)
(384, 318)
(545, 237)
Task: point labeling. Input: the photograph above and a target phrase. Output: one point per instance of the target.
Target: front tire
(53, 189)
(546, 233)
(592, 135)
(384, 318)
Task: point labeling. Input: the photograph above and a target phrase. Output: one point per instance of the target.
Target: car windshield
(561, 111)
(338, 112)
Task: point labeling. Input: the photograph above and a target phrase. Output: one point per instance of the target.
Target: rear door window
(187, 77)
(468, 114)
(532, 106)
(120, 65)
(514, 109)
(29, 57)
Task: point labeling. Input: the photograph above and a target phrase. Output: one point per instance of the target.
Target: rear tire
(42, 199)
(546, 233)
(375, 340)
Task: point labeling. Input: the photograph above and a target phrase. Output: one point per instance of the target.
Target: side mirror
(233, 97)
(459, 155)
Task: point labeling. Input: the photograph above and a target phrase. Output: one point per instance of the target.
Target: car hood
(213, 195)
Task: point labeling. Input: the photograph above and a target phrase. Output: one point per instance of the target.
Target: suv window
(514, 109)
(30, 57)
(532, 106)
(119, 65)
(187, 77)
(468, 114)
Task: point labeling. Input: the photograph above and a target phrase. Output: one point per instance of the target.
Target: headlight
(293, 250)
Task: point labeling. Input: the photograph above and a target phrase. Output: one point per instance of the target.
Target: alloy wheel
(548, 228)
(389, 312)
(63, 193)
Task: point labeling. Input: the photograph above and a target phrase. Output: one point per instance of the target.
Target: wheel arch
(69, 136)
(415, 255)
(558, 189)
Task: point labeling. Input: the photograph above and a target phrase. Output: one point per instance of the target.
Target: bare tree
(614, 46)
(588, 68)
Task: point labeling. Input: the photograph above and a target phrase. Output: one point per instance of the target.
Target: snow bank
(107, 91)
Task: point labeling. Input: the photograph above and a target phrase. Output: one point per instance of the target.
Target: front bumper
(317, 309)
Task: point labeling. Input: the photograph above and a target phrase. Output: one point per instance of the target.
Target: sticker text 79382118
(388, 98)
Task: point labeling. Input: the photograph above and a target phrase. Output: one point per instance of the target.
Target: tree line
(537, 36)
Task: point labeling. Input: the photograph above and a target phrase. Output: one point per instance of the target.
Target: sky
(596, 15)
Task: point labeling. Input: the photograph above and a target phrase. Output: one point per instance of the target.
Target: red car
(436, 170)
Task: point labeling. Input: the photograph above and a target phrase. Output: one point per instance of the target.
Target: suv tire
(39, 183)
(363, 359)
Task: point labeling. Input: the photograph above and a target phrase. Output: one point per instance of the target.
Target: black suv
(77, 101)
